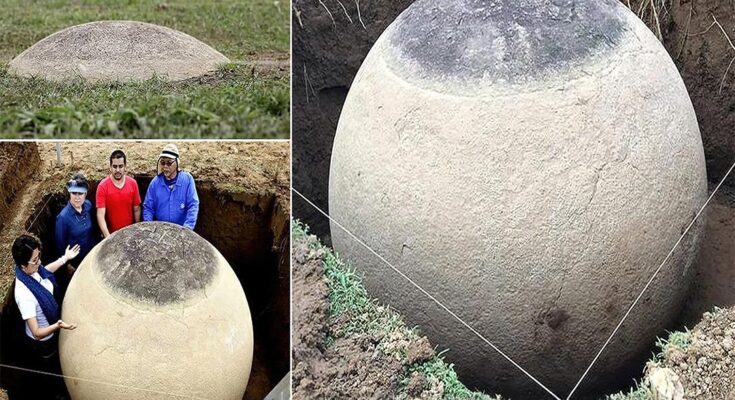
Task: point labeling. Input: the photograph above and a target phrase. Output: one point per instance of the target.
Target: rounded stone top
(156, 262)
(500, 40)
(117, 51)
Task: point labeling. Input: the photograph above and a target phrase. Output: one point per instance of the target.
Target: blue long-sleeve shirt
(179, 205)
(74, 227)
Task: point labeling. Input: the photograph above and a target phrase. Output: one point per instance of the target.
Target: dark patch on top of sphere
(157, 261)
(503, 40)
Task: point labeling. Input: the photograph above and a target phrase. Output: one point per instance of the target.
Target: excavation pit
(251, 232)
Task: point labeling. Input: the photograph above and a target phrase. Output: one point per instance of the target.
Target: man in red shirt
(118, 198)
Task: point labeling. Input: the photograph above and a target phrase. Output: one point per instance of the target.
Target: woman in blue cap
(74, 224)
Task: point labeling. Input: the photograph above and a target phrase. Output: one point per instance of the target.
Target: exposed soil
(244, 212)
(351, 366)
(706, 367)
(703, 54)
(714, 280)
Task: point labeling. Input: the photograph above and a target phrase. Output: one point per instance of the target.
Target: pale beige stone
(117, 51)
(129, 346)
(665, 384)
(536, 210)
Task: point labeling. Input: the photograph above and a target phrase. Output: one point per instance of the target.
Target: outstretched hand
(64, 325)
(70, 253)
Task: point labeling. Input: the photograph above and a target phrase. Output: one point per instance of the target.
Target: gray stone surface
(197, 343)
(537, 209)
(502, 41)
(117, 51)
(134, 265)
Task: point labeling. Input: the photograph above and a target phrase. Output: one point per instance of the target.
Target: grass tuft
(238, 105)
(358, 313)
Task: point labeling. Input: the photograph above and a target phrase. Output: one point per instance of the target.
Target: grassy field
(246, 99)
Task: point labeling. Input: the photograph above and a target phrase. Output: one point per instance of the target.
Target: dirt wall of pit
(18, 162)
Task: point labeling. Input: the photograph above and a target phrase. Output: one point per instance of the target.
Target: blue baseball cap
(77, 186)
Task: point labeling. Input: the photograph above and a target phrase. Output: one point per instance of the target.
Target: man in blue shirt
(172, 195)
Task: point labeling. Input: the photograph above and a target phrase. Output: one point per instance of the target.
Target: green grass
(358, 313)
(235, 103)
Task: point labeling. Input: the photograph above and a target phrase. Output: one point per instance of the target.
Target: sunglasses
(166, 162)
(76, 193)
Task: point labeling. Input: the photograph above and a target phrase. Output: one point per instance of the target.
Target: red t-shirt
(118, 202)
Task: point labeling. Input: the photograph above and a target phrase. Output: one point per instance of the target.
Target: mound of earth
(117, 51)
(704, 368)
(345, 345)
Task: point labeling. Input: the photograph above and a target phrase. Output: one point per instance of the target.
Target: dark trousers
(42, 356)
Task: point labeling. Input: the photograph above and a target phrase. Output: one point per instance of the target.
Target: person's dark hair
(80, 179)
(23, 248)
(118, 154)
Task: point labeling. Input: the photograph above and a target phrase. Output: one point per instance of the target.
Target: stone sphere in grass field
(159, 314)
(530, 164)
(117, 51)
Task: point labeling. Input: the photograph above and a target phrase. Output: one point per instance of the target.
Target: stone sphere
(117, 51)
(157, 308)
(530, 164)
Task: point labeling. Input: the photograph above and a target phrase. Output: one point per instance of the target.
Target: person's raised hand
(70, 253)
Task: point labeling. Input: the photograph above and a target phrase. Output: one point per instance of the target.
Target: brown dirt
(352, 365)
(702, 54)
(262, 66)
(705, 368)
(714, 282)
(250, 181)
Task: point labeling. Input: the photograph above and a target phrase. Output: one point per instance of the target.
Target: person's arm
(60, 235)
(101, 204)
(136, 203)
(148, 203)
(40, 333)
(69, 253)
(192, 205)
(102, 223)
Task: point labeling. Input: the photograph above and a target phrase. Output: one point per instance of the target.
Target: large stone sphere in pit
(117, 51)
(530, 164)
(158, 308)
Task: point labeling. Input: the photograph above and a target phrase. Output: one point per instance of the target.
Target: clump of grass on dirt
(358, 313)
(234, 102)
(677, 339)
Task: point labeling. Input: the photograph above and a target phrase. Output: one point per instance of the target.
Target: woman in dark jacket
(75, 222)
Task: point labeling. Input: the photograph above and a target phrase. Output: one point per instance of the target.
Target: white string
(100, 382)
(427, 294)
(649, 283)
